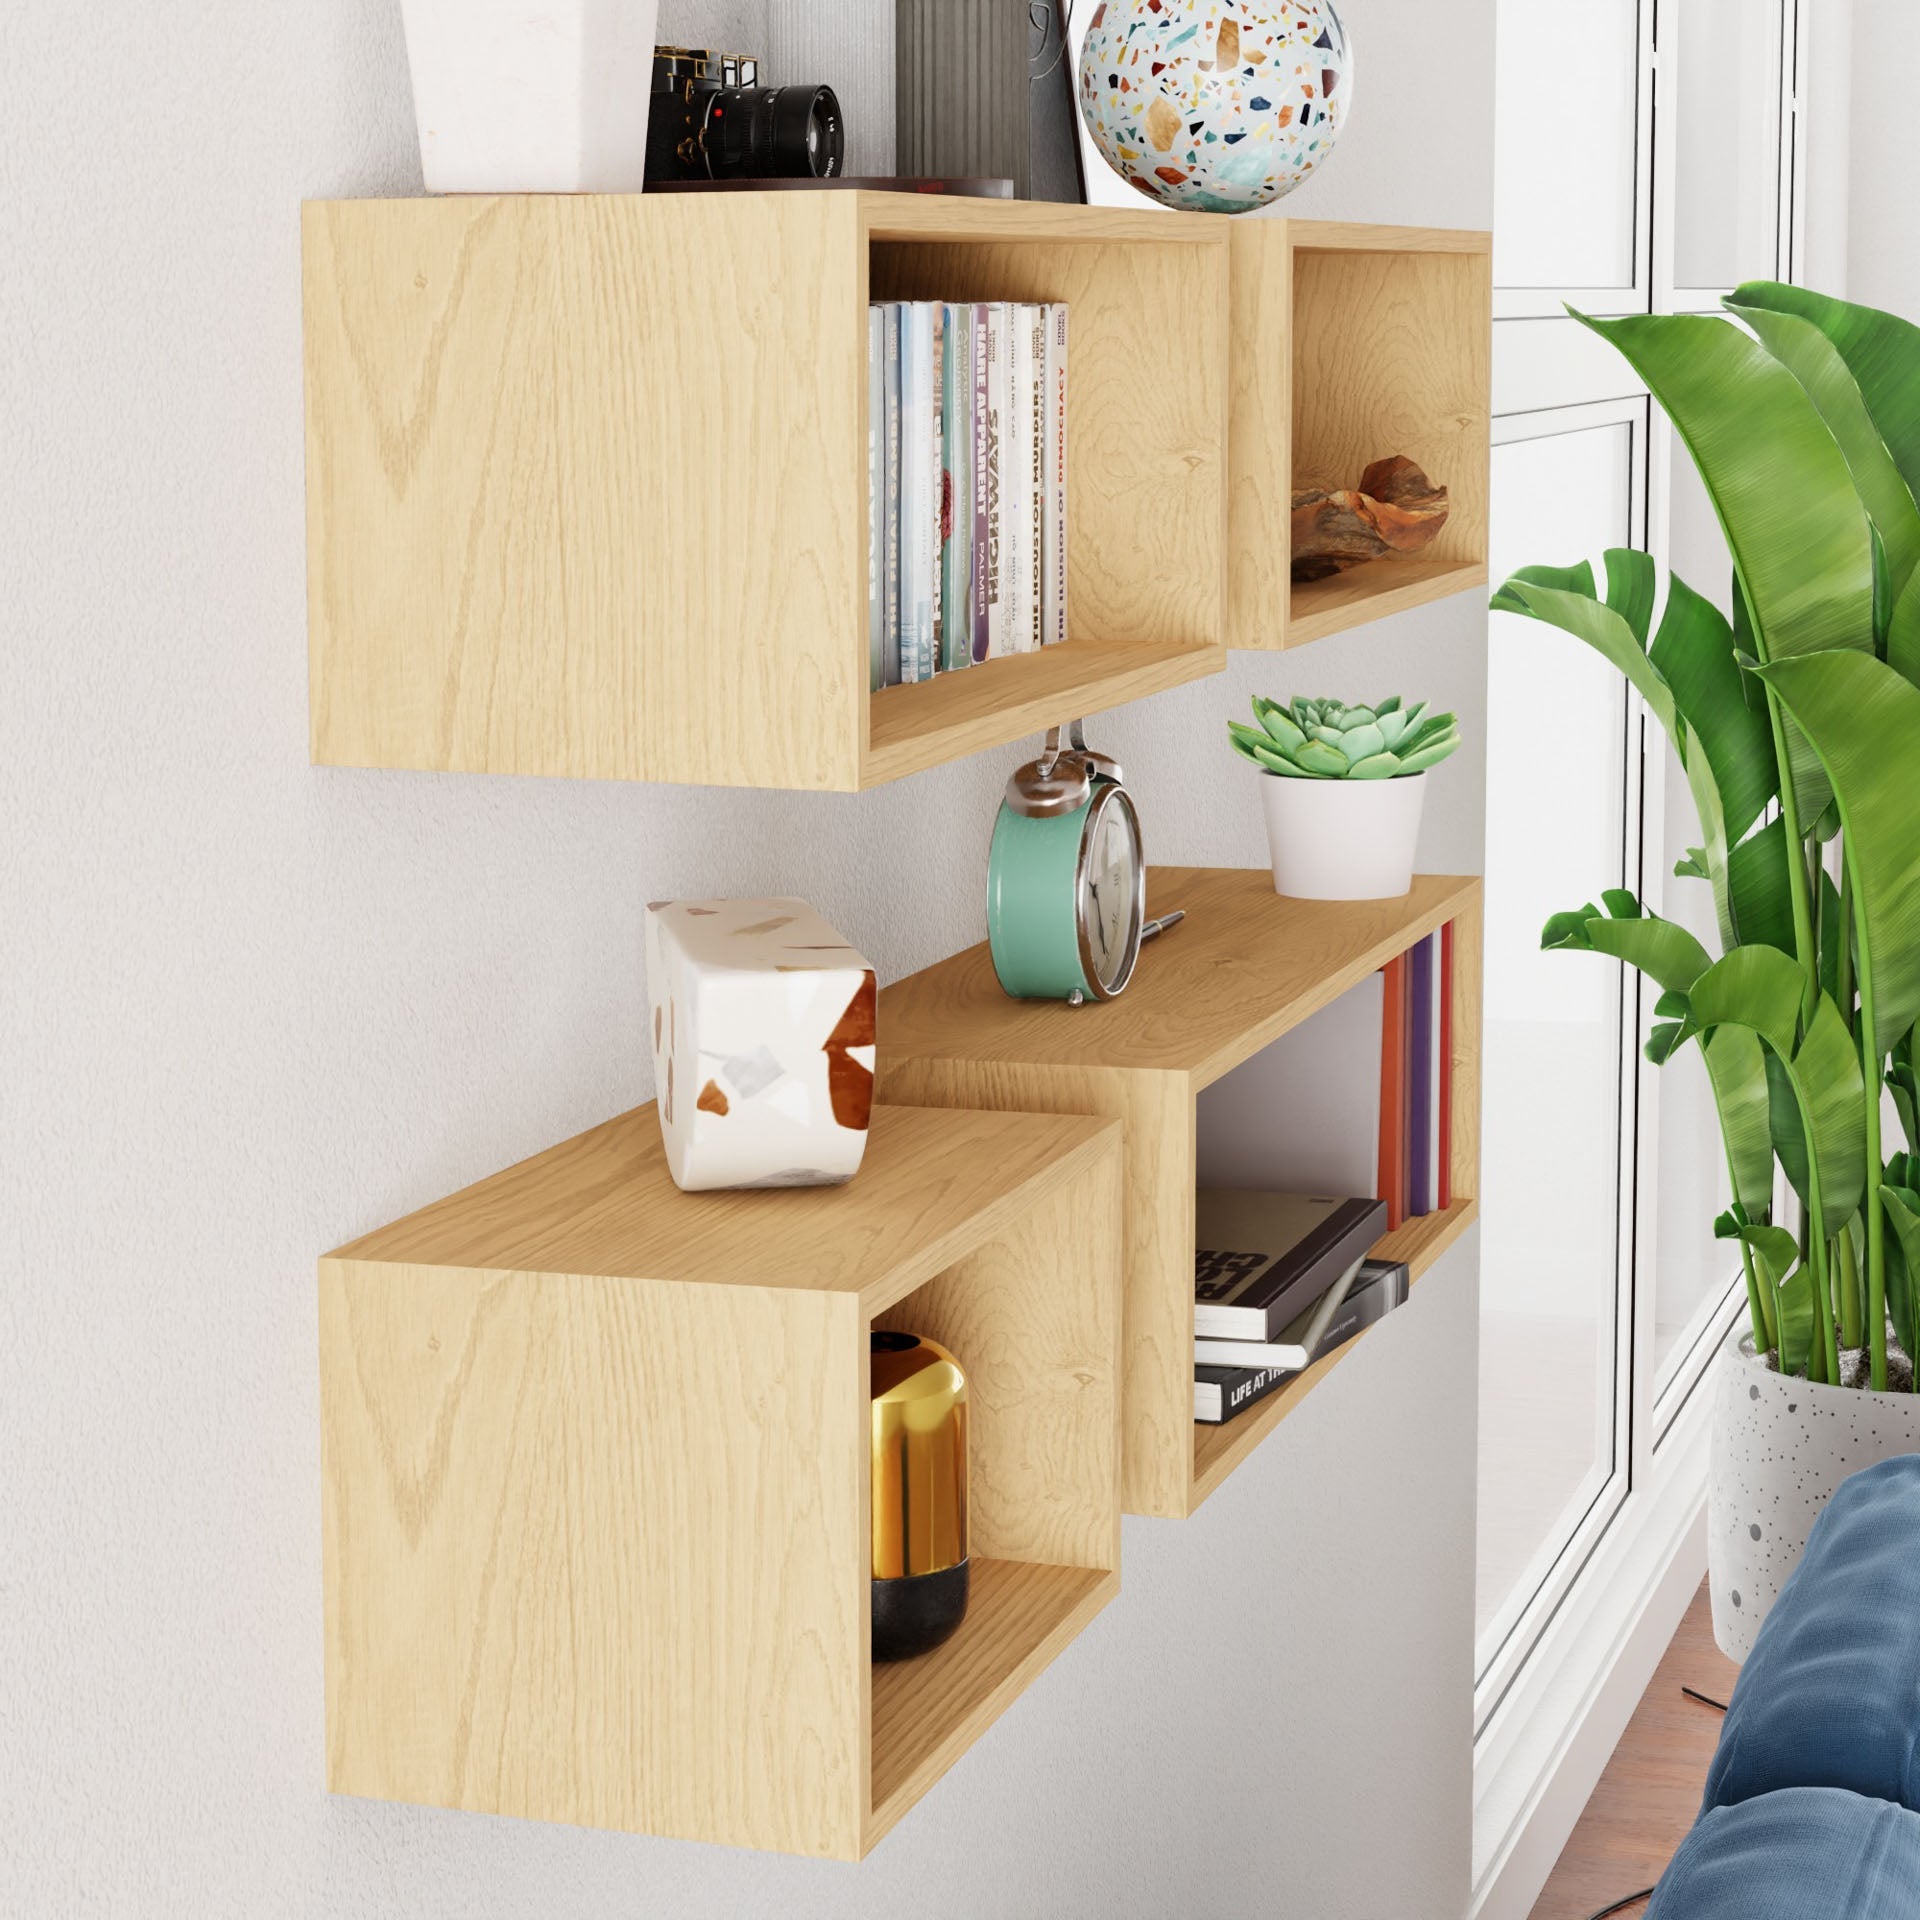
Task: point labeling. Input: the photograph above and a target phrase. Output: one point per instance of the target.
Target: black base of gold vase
(914, 1613)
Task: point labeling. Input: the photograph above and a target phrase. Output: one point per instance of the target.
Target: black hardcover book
(1219, 1393)
(1262, 1258)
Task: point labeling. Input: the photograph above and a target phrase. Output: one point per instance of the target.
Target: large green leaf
(1776, 1253)
(1903, 631)
(1864, 721)
(1606, 631)
(1817, 363)
(1633, 583)
(1902, 1208)
(1774, 472)
(1759, 890)
(1761, 989)
(1736, 1069)
(1881, 351)
(1664, 951)
(1693, 652)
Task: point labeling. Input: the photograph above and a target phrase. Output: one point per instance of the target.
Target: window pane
(1726, 188)
(1563, 207)
(1552, 1040)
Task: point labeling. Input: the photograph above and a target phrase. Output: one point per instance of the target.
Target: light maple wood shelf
(1350, 343)
(596, 1495)
(587, 478)
(1245, 968)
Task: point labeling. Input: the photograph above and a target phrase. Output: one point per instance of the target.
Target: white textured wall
(1883, 225)
(249, 1008)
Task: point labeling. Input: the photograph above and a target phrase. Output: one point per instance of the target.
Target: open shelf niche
(587, 478)
(1244, 968)
(596, 1489)
(1390, 334)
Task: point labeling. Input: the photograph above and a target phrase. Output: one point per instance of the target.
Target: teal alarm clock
(1066, 882)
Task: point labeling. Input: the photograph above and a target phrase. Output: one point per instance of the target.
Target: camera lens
(769, 133)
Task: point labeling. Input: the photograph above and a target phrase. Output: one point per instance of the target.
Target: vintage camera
(710, 119)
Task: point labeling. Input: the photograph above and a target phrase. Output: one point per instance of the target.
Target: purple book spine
(1420, 1080)
(979, 581)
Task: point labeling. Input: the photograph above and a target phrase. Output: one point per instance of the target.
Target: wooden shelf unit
(587, 478)
(1389, 335)
(595, 1476)
(1245, 967)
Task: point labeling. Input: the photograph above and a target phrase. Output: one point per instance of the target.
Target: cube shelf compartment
(1246, 967)
(1390, 352)
(596, 1490)
(587, 478)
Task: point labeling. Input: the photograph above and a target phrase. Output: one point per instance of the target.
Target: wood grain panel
(1034, 1318)
(1155, 1112)
(1350, 342)
(1244, 967)
(933, 721)
(932, 1187)
(586, 482)
(588, 1546)
(927, 1712)
(1146, 428)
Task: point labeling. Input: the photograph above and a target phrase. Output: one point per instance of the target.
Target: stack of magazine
(1279, 1280)
(967, 481)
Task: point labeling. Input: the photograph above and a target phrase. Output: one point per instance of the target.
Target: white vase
(531, 96)
(1343, 839)
(1780, 1447)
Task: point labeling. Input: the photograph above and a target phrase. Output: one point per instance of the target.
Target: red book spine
(1443, 1174)
(1393, 1089)
(1406, 1086)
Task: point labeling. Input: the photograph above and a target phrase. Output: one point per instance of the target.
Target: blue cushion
(1805, 1853)
(1830, 1695)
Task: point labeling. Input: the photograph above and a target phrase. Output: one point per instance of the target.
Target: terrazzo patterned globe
(1215, 105)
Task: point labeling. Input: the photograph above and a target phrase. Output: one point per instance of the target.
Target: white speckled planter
(1780, 1447)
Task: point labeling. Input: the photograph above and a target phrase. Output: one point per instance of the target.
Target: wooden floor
(1650, 1792)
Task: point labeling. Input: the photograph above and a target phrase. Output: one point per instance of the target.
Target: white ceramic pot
(531, 96)
(1343, 839)
(1780, 1447)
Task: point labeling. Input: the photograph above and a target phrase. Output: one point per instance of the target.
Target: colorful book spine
(876, 498)
(956, 488)
(1016, 483)
(919, 582)
(1391, 1181)
(979, 555)
(1040, 508)
(890, 665)
(1420, 1077)
(1053, 628)
(999, 329)
(937, 471)
(1443, 1156)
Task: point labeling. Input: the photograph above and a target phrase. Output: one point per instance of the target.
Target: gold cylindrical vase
(919, 1494)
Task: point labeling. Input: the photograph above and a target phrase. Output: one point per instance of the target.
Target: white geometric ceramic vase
(763, 1042)
(1215, 105)
(1780, 1447)
(531, 96)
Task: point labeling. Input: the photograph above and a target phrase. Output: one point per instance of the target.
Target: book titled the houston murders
(1220, 1392)
(1260, 1258)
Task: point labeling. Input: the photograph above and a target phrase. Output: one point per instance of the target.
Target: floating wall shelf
(587, 474)
(587, 478)
(1390, 333)
(596, 1487)
(1245, 968)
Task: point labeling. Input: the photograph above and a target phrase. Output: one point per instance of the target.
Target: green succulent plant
(1329, 740)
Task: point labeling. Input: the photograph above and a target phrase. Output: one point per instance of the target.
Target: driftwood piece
(1394, 510)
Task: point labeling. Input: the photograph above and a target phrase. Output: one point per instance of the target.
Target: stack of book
(967, 478)
(1279, 1280)
(1416, 1080)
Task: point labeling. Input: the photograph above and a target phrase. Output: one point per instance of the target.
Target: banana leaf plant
(1797, 725)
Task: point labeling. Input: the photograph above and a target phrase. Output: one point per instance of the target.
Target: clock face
(1110, 889)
